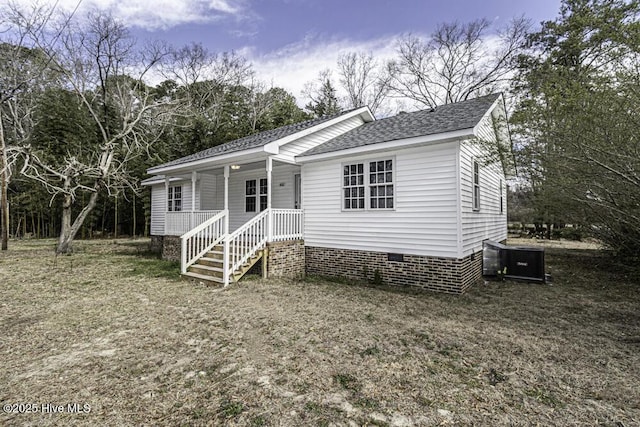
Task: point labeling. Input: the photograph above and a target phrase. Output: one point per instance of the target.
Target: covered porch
(225, 213)
(244, 189)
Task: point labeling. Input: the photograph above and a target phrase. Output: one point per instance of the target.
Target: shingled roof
(251, 141)
(445, 118)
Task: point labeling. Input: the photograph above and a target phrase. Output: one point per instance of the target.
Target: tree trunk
(4, 183)
(115, 225)
(69, 230)
(133, 231)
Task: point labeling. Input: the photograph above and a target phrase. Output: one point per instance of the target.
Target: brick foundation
(171, 248)
(286, 259)
(448, 275)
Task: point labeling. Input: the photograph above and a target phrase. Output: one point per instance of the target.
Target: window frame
(475, 185)
(263, 195)
(172, 199)
(260, 194)
(351, 187)
(366, 165)
(250, 196)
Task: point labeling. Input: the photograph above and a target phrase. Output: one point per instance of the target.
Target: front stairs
(209, 269)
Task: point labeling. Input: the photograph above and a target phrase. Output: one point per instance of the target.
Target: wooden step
(206, 270)
(207, 280)
(212, 262)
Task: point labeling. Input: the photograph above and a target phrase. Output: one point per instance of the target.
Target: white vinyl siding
(489, 222)
(423, 221)
(158, 208)
(159, 203)
(206, 192)
(299, 146)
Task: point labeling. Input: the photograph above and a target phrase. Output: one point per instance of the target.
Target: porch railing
(243, 243)
(196, 242)
(287, 224)
(178, 223)
(269, 225)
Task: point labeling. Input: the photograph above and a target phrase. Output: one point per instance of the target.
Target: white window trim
(171, 199)
(367, 184)
(475, 201)
(257, 197)
(254, 196)
(501, 190)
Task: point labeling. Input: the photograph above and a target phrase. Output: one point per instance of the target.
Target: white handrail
(288, 224)
(197, 241)
(245, 242)
(178, 223)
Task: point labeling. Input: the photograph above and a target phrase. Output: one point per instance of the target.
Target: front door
(297, 191)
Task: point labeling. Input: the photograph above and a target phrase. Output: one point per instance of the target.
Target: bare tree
(96, 62)
(205, 77)
(459, 61)
(365, 81)
(22, 66)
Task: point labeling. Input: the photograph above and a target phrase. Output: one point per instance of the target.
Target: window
(378, 185)
(174, 199)
(353, 186)
(251, 194)
(263, 194)
(476, 186)
(381, 184)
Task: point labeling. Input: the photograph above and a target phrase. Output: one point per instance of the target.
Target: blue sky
(270, 25)
(290, 41)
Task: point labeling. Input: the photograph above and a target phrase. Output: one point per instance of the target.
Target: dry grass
(115, 329)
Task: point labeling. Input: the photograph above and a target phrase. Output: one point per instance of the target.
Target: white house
(408, 199)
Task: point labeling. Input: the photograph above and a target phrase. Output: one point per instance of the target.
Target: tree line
(80, 124)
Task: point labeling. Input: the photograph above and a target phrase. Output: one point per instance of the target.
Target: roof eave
(215, 161)
(389, 145)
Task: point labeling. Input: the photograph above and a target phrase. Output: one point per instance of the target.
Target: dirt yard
(111, 336)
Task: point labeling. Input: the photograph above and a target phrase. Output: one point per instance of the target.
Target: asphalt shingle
(445, 118)
(251, 141)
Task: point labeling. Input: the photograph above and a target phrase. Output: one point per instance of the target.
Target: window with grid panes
(174, 199)
(263, 194)
(353, 186)
(476, 186)
(381, 184)
(250, 196)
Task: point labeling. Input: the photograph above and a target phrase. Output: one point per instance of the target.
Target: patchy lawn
(115, 329)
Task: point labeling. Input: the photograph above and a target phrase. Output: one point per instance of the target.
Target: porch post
(226, 199)
(194, 178)
(225, 251)
(166, 202)
(270, 215)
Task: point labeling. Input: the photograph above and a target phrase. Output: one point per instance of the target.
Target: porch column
(270, 215)
(166, 202)
(194, 178)
(225, 252)
(226, 199)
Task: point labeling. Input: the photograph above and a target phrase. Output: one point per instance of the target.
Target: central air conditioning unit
(512, 262)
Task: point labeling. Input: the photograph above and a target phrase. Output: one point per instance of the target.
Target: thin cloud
(159, 14)
(298, 63)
